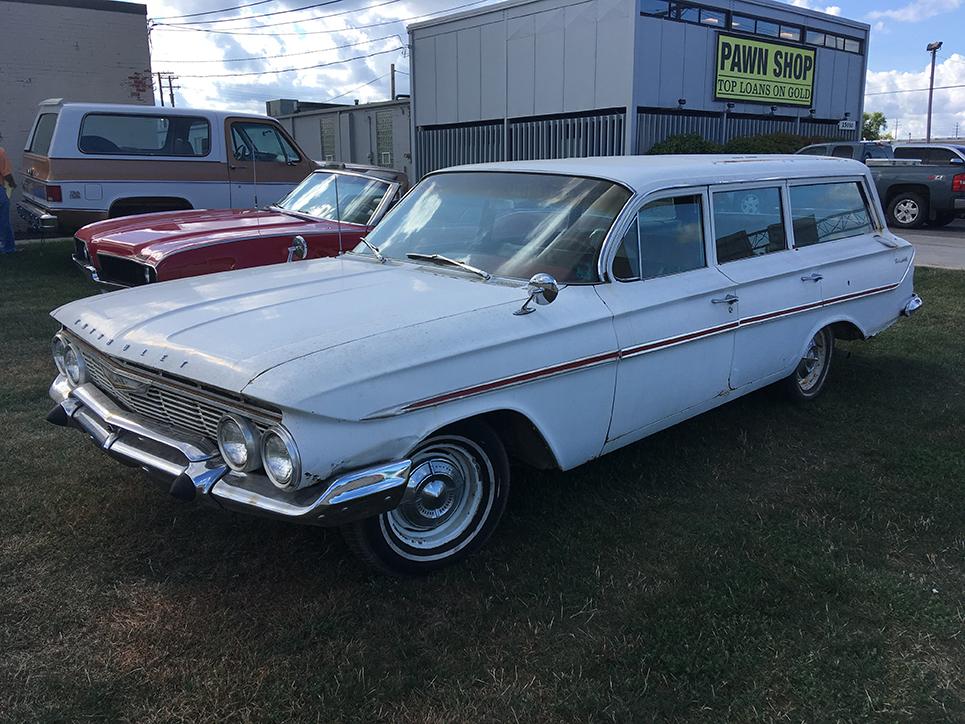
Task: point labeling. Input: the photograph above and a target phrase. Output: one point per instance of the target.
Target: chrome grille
(153, 398)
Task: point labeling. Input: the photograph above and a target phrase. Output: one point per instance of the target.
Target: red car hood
(153, 236)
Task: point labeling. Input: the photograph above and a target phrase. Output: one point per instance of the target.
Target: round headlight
(74, 366)
(238, 442)
(58, 348)
(280, 458)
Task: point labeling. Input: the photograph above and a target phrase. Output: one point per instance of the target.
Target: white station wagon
(546, 311)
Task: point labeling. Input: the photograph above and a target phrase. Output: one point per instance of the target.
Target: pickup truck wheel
(907, 210)
(943, 218)
(456, 495)
(808, 378)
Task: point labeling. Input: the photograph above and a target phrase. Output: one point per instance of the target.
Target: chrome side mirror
(299, 247)
(542, 289)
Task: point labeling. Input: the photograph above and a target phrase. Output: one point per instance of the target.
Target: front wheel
(907, 210)
(808, 378)
(456, 495)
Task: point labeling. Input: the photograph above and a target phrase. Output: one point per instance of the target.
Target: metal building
(555, 78)
(377, 134)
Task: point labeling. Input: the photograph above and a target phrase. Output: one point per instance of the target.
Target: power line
(183, 26)
(348, 92)
(212, 12)
(914, 90)
(164, 26)
(286, 55)
(262, 15)
(291, 70)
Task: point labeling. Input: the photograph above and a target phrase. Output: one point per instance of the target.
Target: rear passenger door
(673, 315)
(779, 291)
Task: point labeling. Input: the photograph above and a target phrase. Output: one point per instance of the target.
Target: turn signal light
(54, 193)
(958, 183)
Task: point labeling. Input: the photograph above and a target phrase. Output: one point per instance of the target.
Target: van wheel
(456, 495)
(808, 378)
(907, 210)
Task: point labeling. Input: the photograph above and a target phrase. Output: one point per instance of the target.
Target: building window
(771, 30)
(327, 129)
(748, 223)
(790, 33)
(742, 23)
(657, 8)
(852, 46)
(712, 17)
(825, 212)
(688, 13)
(383, 137)
(815, 38)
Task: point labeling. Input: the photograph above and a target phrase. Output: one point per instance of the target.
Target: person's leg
(6, 229)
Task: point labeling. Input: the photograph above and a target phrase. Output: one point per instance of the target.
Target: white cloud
(916, 11)
(808, 5)
(910, 109)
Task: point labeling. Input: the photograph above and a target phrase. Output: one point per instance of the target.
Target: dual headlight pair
(69, 360)
(245, 449)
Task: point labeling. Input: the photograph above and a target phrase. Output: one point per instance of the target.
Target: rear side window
(876, 152)
(667, 237)
(143, 135)
(928, 156)
(43, 134)
(825, 212)
(843, 152)
(748, 223)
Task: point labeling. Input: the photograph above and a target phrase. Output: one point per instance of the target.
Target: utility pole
(171, 89)
(392, 82)
(933, 49)
(160, 88)
(170, 77)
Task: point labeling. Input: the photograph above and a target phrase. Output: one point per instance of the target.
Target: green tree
(872, 125)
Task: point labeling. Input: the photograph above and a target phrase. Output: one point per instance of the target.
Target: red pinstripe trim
(630, 351)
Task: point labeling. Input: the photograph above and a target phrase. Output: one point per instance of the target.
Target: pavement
(944, 247)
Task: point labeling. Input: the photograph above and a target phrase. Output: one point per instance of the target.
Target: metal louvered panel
(162, 401)
(574, 137)
(454, 145)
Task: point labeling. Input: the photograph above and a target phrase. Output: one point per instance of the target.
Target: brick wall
(78, 50)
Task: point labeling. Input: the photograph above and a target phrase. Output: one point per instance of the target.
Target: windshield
(335, 196)
(508, 224)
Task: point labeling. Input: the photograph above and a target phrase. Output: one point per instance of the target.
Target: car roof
(647, 173)
(137, 109)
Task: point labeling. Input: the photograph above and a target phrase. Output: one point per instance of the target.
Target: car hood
(226, 329)
(151, 237)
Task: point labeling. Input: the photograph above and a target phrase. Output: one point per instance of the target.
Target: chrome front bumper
(194, 468)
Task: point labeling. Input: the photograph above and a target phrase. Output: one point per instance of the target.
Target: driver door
(241, 172)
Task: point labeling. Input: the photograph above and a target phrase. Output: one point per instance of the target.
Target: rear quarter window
(144, 135)
(43, 134)
(828, 211)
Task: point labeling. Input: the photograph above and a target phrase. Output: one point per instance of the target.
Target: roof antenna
(338, 215)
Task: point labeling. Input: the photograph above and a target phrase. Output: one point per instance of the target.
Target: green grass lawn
(761, 562)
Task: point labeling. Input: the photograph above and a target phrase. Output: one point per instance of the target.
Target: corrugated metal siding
(454, 145)
(656, 126)
(577, 137)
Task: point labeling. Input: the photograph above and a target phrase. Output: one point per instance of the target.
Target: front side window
(748, 223)
(43, 134)
(508, 224)
(671, 236)
(829, 211)
(626, 263)
(144, 135)
(261, 142)
(352, 199)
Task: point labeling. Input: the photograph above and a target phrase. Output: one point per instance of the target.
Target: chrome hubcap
(906, 211)
(441, 501)
(812, 364)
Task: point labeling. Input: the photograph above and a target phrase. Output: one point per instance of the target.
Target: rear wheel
(808, 378)
(907, 210)
(456, 495)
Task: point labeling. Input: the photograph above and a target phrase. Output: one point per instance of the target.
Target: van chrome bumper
(37, 217)
(913, 305)
(195, 470)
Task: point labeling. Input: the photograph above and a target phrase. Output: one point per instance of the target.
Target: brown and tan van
(85, 162)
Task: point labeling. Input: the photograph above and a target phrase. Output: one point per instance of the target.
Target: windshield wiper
(374, 249)
(440, 259)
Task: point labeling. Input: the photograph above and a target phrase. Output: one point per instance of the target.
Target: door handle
(237, 168)
(815, 277)
(729, 299)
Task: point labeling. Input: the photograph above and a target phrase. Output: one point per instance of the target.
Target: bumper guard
(195, 470)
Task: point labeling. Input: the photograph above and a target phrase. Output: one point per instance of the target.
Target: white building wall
(79, 50)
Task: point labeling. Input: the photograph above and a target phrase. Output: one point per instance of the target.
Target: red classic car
(328, 212)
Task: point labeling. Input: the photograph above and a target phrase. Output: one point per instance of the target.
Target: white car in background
(547, 311)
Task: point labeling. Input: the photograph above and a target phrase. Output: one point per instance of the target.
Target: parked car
(85, 162)
(545, 311)
(857, 150)
(912, 190)
(327, 213)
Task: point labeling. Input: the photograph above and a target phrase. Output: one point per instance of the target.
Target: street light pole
(933, 49)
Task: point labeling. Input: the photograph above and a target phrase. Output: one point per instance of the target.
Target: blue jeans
(6, 230)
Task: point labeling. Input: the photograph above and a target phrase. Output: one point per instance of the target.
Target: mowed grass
(761, 562)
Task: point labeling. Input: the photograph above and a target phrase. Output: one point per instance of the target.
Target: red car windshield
(336, 197)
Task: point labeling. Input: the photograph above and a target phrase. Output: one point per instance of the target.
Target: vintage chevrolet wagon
(543, 311)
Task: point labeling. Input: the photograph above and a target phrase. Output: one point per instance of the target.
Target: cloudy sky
(372, 32)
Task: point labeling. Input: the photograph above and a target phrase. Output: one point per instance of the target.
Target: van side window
(626, 263)
(671, 236)
(144, 135)
(748, 222)
(829, 211)
(43, 134)
(263, 141)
